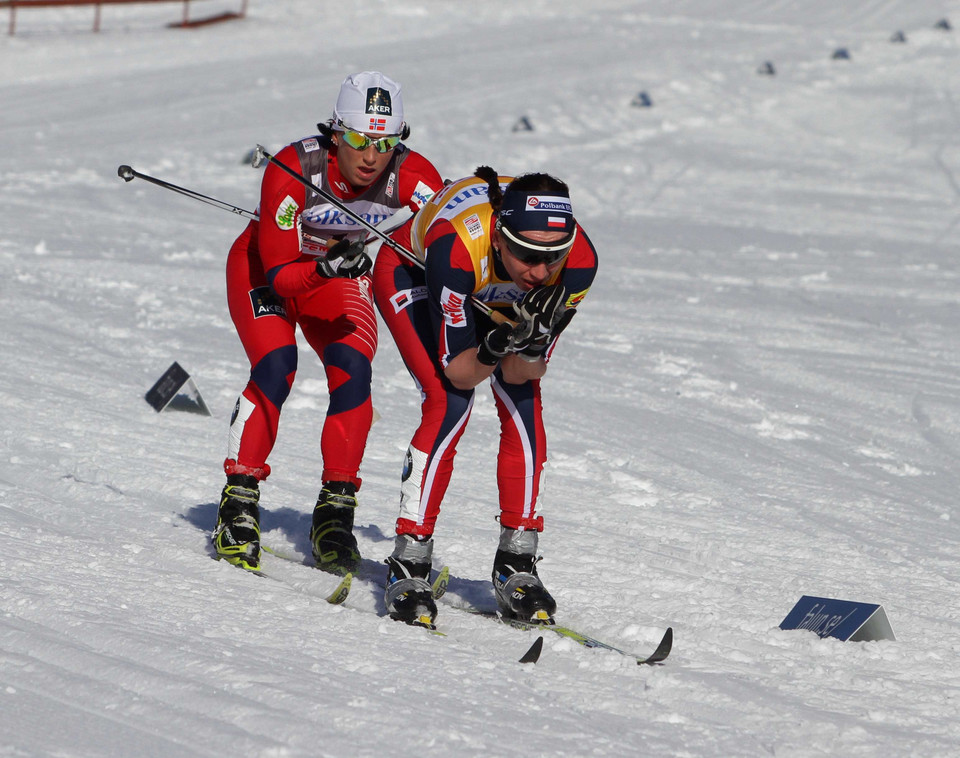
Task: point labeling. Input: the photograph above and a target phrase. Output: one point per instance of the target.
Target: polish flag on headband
(556, 222)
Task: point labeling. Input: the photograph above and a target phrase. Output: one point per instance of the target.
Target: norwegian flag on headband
(378, 125)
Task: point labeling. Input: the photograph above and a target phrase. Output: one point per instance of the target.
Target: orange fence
(13, 5)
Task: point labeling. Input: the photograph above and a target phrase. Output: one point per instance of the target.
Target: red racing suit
(273, 286)
(429, 314)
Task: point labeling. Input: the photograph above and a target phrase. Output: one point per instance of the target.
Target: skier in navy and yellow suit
(513, 245)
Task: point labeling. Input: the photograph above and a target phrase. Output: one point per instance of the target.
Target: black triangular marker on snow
(176, 391)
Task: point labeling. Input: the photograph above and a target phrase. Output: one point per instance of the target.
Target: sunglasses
(360, 141)
(533, 253)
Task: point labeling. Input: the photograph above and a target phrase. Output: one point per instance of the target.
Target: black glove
(539, 347)
(345, 258)
(496, 345)
(540, 312)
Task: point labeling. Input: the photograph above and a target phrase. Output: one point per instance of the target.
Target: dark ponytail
(493, 186)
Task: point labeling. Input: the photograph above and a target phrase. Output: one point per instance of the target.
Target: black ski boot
(408, 595)
(334, 546)
(520, 593)
(237, 535)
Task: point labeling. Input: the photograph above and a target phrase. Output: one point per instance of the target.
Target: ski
(337, 597)
(340, 594)
(657, 656)
(533, 654)
(439, 586)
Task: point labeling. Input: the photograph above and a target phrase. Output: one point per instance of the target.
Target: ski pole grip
(498, 318)
(126, 173)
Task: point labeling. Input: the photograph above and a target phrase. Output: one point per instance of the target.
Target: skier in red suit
(304, 264)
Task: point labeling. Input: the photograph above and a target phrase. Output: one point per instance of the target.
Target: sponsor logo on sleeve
(453, 305)
(575, 299)
(310, 144)
(391, 183)
(287, 213)
(421, 194)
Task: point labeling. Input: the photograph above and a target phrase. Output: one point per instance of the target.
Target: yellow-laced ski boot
(237, 536)
(331, 535)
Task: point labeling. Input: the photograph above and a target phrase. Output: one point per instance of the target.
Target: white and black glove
(541, 315)
(539, 346)
(346, 258)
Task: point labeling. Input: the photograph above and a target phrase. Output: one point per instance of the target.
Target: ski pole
(128, 175)
(261, 153)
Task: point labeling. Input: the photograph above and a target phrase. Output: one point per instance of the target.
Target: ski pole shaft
(128, 175)
(260, 154)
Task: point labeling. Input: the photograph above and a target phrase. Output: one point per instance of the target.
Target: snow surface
(759, 399)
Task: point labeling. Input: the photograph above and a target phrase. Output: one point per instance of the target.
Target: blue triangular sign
(845, 620)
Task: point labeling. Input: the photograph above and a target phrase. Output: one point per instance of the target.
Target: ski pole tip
(126, 173)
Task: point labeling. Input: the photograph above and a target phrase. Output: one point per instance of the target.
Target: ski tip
(533, 654)
(339, 595)
(662, 652)
(439, 586)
